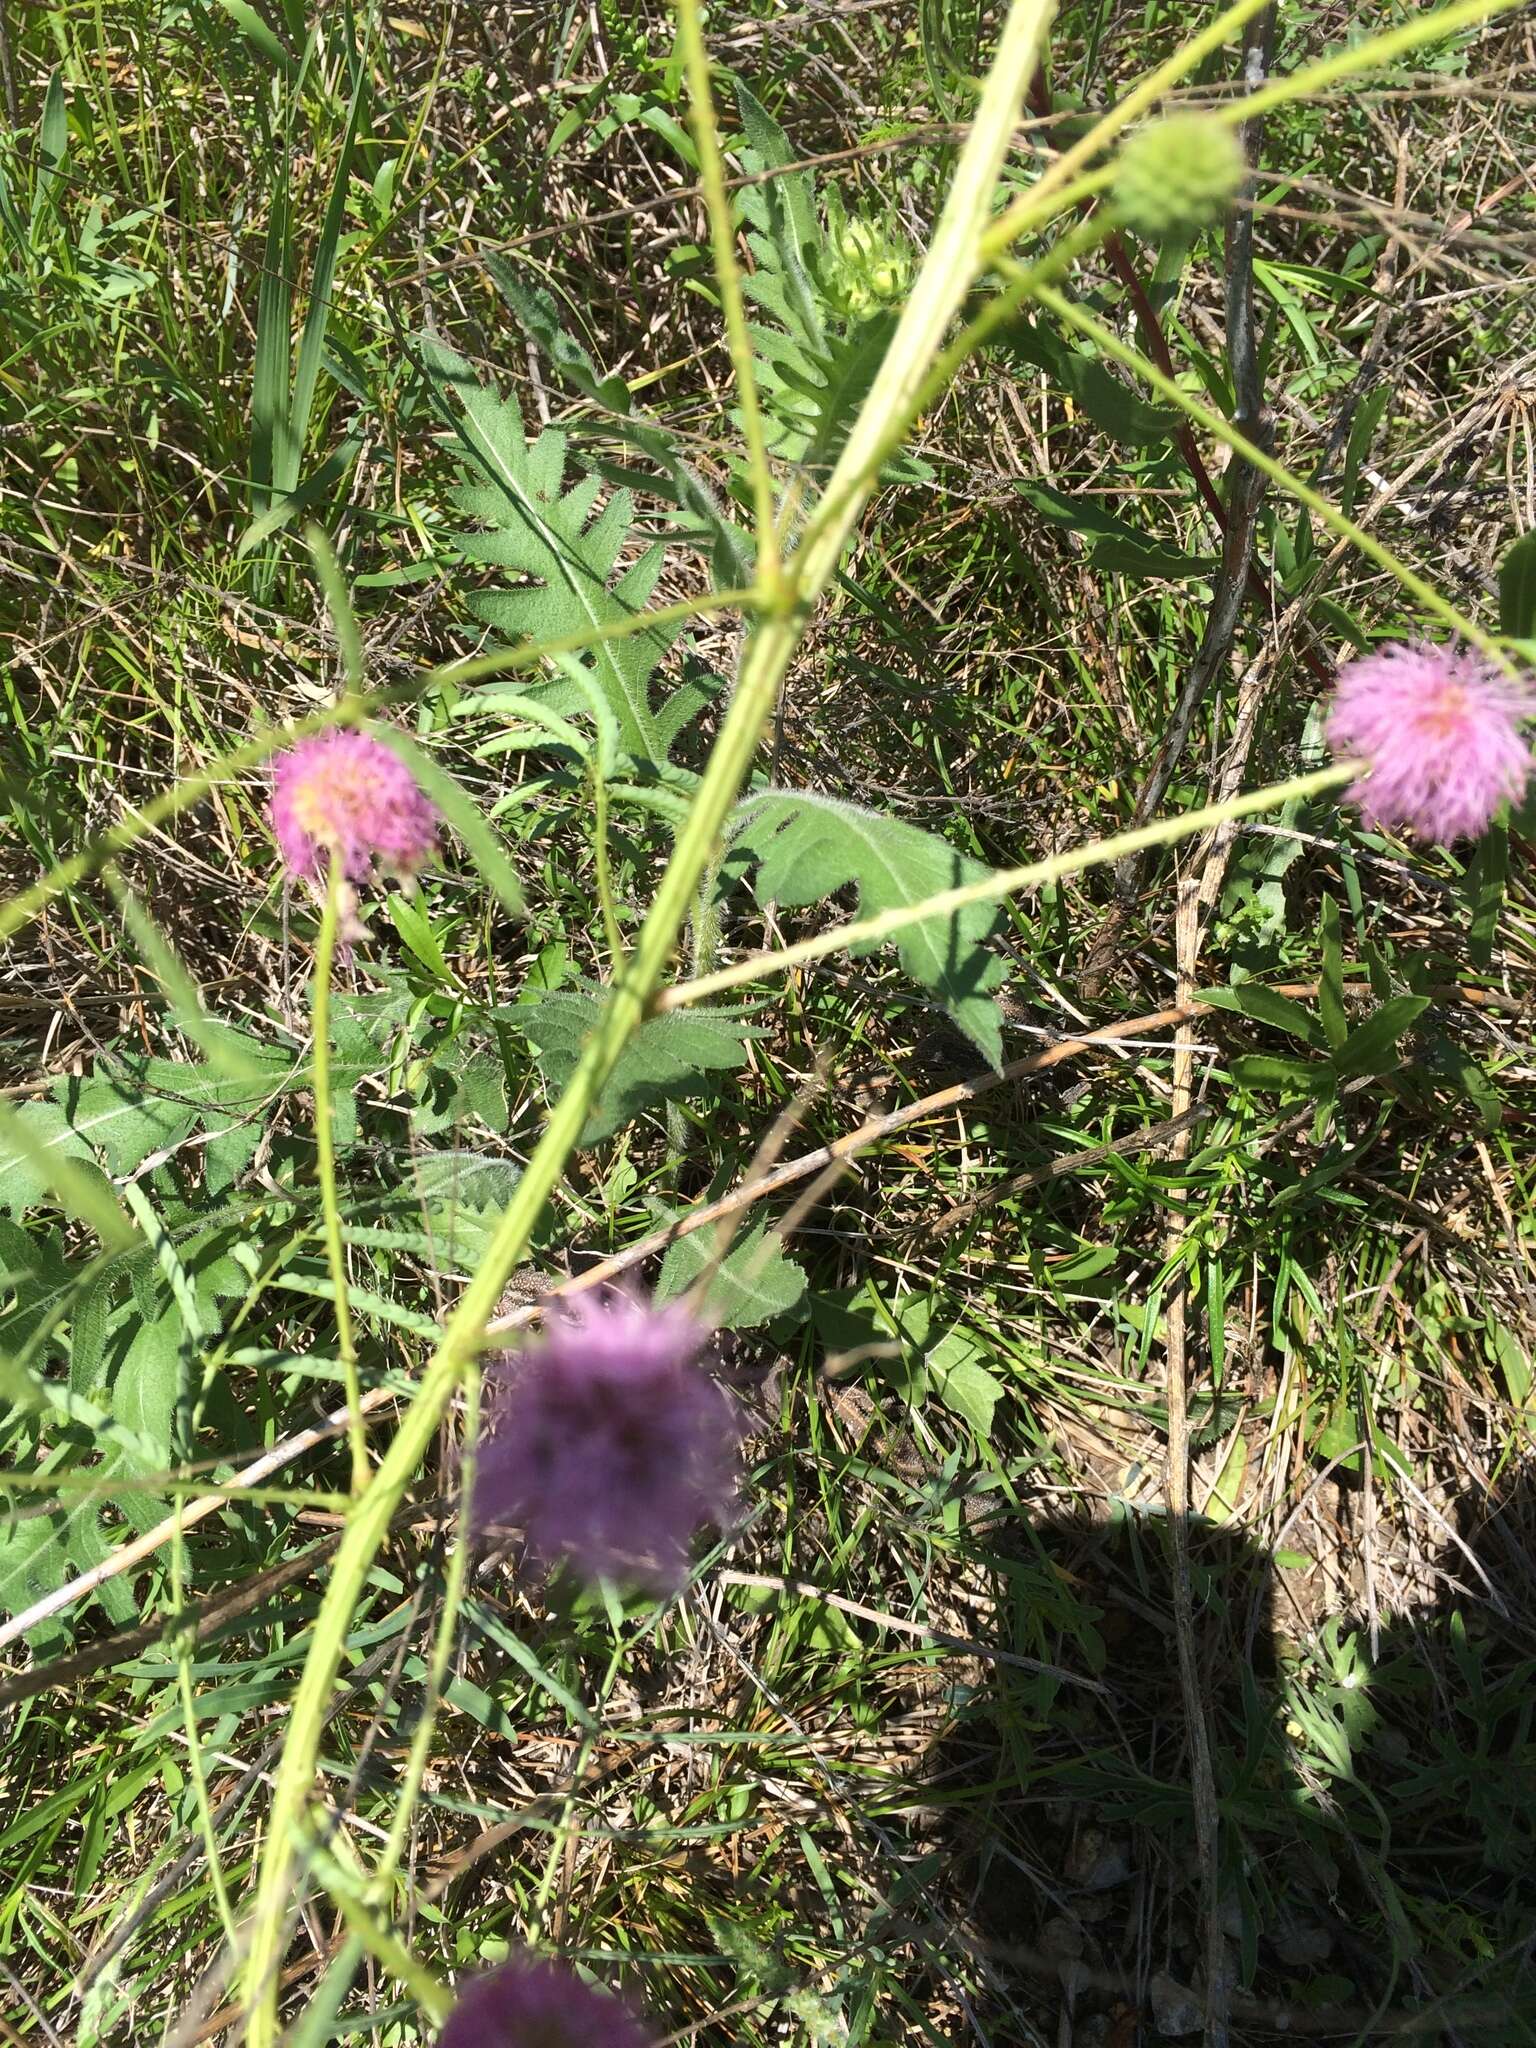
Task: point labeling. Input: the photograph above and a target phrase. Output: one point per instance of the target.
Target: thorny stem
(1276, 471)
(325, 1168)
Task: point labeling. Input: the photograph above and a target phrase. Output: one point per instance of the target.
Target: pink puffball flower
(345, 796)
(1439, 730)
(532, 2004)
(607, 1443)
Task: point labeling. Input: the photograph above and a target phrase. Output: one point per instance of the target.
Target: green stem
(947, 274)
(1038, 874)
(1276, 471)
(766, 657)
(437, 1671)
(722, 248)
(605, 896)
(195, 1748)
(325, 1169)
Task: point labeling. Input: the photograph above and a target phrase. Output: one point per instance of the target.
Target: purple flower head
(1439, 730)
(607, 1443)
(347, 797)
(529, 2004)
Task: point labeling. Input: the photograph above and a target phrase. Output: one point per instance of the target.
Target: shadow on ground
(1378, 1853)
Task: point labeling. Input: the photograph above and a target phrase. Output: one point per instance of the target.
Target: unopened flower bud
(1178, 173)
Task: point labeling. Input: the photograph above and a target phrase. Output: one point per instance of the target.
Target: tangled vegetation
(766, 797)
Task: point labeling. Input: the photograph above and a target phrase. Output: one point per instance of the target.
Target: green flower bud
(869, 268)
(1179, 173)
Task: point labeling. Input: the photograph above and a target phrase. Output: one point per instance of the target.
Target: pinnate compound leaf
(670, 1056)
(805, 847)
(814, 371)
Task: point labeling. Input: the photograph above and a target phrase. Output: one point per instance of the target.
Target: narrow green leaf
(1330, 993)
(261, 38)
(274, 346)
(1371, 1048)
(463, 814)
(1517, 590)
(338, 602)
(1266, 1006)
(322, 275)
(1486, 880)
(1268, 1070)
(415, 928)
(52, 144)
(282, 510)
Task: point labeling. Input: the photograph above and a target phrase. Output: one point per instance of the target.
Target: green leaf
(1486, 878)
(814, 370)
(1265, 1006)
(784, 230)
(146, 1388)
(1371, 1048)
(261, 38)
(111, 1110)
(539, 318)
(415, 927)
(291, 504)
(1150, 561)
(1330, 993)
(1517, 590)
(670, 1057)
(52, 146)
(1117, 545)
(961, 1381)
(806, 847)
(1112, 406)
(1266, 1070)
(42, 1549)
(562, 553)
(753, 1284)
(465, 818)
(32, 1139)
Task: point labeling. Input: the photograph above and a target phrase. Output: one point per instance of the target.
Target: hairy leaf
(561, 551)
(670, 1057)
(753, 1284)
(806, 847)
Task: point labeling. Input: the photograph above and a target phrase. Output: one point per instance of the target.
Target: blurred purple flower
(607, 1443)
(531, 2004)
(1439, 730)
(348, 796)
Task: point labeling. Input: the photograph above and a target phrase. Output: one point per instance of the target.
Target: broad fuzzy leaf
(23, 1183)
(806, 847)
(670, 1057)
(752, 1285)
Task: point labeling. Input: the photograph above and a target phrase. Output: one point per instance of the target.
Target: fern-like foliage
(564, 550)
(805, 847)
(814, 367)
